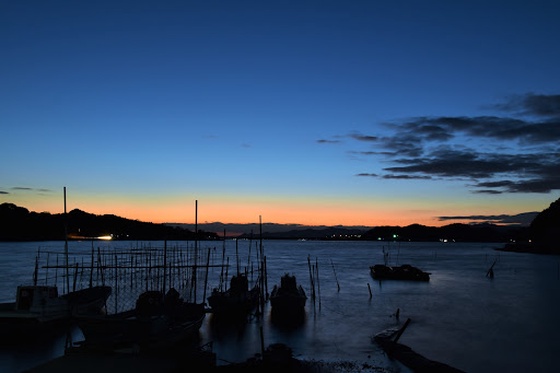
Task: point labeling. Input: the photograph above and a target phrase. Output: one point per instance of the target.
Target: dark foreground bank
(277, 358)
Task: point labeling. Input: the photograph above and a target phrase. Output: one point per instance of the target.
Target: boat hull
(404, 272)
(40, 312)
(157, 322)
(141, 334)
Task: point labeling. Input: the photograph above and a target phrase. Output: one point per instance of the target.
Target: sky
(308, 112)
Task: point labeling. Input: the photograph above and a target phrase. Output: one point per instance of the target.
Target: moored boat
(157, 322)
(404, 272)
(235, 302)
(39, 309)
(288, 300)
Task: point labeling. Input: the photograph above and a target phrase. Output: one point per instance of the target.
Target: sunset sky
(310, 112)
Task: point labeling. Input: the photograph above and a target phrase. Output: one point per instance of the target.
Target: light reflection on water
(461, 317)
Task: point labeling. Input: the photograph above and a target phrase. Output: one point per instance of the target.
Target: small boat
(39, 309)
(157, 322)
(288, 299)
(404, 272)
(237, 301)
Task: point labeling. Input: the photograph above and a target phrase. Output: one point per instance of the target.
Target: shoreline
(277, 357)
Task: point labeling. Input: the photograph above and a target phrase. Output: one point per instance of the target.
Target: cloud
(325, 141)
(366, 138)
(532, 105)
(491, 154)
(408, 177)
(519, 219)
(367, 174)
(27, 189)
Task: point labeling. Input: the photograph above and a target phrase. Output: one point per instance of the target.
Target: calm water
(461, 317)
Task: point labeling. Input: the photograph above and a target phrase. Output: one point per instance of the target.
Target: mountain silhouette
(542, 235)
(19, 224)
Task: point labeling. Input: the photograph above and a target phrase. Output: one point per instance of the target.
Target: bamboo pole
(66, 243)
(116, 285)
(164, 284)
(312, 282)
(236, 252)
(91, 267)
(336, 278)
(206, 277)
(193, 280)
(318, 282)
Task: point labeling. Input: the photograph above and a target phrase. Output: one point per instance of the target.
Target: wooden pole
(369, 288)
(236, 253)
(336, 278)
(401, 330)
(116, 285)
(193, 280)
(164, 285)
(318, 282)
(311, 278)
(36, 271)
(206, 276)
(222, 286)
(91, 268)
(75, 277)
(66, 244)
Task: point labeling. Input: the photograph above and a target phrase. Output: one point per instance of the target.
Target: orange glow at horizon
(272, 212)
(247, 210)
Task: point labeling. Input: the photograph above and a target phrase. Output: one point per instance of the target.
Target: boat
(287, 300)
(235, 302)
(404, 272)
(40, 310)
(156, 323)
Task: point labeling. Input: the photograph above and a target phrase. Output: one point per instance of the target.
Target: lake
(460, 317)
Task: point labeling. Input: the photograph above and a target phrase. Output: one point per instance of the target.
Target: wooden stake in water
(312, 283)
(66, 244)
(334, 271)
(318, 283)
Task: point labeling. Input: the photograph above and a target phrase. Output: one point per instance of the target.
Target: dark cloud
(366, 138)
(406, 177)
(487, 191)
(519, 219)
(489, 127)
(448, 162)
(366, 174)
(27, 189)
(491, 154)
(324, 141)
(547, 106)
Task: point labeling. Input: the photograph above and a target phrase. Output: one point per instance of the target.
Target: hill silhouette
(542, 234)
(19, 224)
(456, 232)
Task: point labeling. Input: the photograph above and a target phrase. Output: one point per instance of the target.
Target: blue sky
(323, 112)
